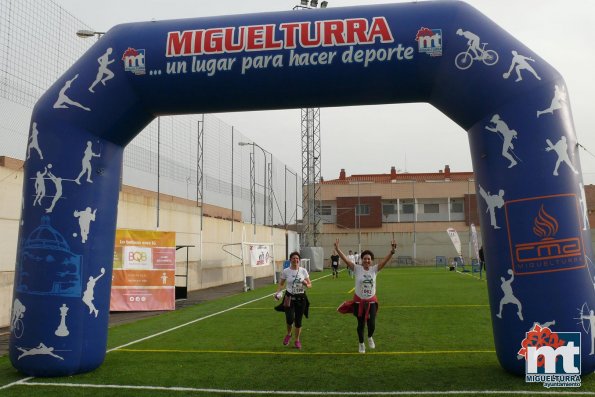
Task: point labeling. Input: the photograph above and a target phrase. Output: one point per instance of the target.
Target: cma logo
(549, 252)
(137, 256)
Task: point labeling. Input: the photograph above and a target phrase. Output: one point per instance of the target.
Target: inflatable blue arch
(513, 105)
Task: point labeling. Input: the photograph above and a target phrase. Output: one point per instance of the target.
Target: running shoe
(371, 343)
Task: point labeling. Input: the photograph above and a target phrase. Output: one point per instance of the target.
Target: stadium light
(313, 4)
(84, 33)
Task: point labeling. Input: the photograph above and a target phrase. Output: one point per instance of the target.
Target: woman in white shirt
(295, 302)
(365, 303)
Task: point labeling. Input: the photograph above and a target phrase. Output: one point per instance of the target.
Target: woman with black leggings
(365, 303)
(295, 302)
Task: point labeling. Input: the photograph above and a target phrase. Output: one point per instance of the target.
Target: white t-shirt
(351, 257)
(365, 281)
(293, 279)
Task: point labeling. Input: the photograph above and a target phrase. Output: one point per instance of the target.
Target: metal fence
(38, 43)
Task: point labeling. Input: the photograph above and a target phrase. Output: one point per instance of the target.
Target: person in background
(482, 261)
(335, 264)
(352, 259)
(365, 303)
(294, 301)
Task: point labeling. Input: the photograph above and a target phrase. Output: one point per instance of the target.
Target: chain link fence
(38, 43)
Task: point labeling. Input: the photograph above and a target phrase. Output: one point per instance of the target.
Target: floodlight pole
(264, 152)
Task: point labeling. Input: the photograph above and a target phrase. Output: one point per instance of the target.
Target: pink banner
(144, 271)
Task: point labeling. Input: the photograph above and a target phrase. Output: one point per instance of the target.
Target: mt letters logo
(429, 41)
(553, 358)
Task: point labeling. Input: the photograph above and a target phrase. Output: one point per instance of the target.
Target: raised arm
(393, 249)
(345, 259)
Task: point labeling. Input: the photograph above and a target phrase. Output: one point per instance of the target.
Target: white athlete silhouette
(509, 295)
(473, 41)
(18, 312)
(164, 278)
(103, 70)
(41, 349)
(559, 98)
(583, 202)
(499, 126)
(85, 218)
(39, 186)
(519, 62)
(64, 101)
(591, 318)
(561, 149)
(62, 329)
(58, 184)
(88, 294)
(492, 202)
(33, 142)
(86, 163)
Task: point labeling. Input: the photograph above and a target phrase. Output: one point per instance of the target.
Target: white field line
(317, 393)
(21, 381)
(198, 319)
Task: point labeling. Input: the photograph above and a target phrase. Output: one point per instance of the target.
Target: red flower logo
(539, 337)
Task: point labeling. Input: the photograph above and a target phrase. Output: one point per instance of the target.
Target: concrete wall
(209, 264)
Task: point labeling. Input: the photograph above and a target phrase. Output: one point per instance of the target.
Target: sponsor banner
(144, 271)
(259, 255)
(147, 298)
(456, 241)
(474, 241)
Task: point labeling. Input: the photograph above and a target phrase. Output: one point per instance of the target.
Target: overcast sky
(560, 31)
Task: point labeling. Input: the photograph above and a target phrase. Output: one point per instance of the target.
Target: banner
(144, 271)
(454, 237)
(259, 255)
(474, 242)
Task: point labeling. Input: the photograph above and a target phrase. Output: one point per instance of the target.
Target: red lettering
(198, 35)
(254, 38)
(178, 44)
(269, 37)
(356, 31)
(213, 41)
(263, 37)
(290, 33)
(230, 45)
(333, 33)
(380, 28)
(305, 39)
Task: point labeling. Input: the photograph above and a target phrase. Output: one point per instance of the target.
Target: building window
(431, 208)
(456, 206)
(408, 208)
(388, 209)
(326, 210)
(362, 209)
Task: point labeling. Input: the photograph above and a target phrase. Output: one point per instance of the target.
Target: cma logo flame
(545, 226)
